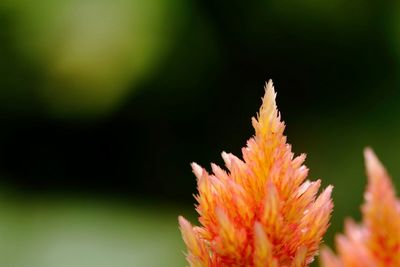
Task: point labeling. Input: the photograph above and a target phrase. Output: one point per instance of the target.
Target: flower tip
(189, 236)
(185, 227)
(328, 190)
(270, 90)
(326, 196)
(370, 157)
(225, 157)
(269, 84)
(183, 223)
(197, 169)
(375, 169)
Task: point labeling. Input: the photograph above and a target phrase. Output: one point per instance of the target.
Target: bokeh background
(103, 105)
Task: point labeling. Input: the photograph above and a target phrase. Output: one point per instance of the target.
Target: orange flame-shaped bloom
(376, 241)
(261, 212)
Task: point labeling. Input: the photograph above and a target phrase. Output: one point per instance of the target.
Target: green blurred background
(103, 105)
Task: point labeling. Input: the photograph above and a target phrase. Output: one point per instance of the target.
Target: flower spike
(261, 211)
(376, 241)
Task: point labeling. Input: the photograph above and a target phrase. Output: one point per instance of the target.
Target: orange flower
(261, 212)
(376, 241)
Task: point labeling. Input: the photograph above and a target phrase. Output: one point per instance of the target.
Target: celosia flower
(376, 241)
(261, 212)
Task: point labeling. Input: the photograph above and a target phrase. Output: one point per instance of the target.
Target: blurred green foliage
(88, 54)
(48, 232)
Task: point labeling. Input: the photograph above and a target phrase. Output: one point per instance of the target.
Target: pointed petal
(300, 257)
(231, 240)
(270, 214)
(190, 238)
(263, 255)
(197, 255)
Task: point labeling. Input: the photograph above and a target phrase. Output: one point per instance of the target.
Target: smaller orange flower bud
(376, 241)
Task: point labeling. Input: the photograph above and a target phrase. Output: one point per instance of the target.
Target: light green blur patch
(87, 234)
(92, 53)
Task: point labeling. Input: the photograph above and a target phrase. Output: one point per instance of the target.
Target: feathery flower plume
(376, 241)
(261, 212)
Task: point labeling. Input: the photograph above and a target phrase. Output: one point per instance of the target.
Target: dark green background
(89, 181)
